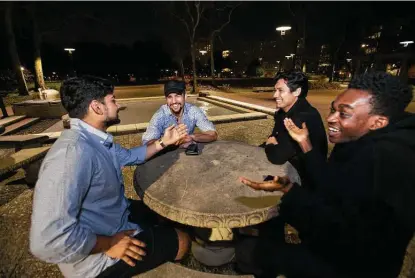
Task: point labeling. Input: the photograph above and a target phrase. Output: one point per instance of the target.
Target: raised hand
(126, 248)
(278, 184)
(173, 134)
(298, 134)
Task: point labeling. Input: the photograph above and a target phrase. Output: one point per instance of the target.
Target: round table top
(204, 191)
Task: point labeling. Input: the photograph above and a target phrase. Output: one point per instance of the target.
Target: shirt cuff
(139, 153)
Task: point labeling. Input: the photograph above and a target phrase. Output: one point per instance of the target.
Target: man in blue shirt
(81, 218)
(178, 111)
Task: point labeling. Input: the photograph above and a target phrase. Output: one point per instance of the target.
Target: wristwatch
(161, 143)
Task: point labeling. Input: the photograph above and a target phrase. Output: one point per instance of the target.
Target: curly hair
(78, 92)
(390, 96)
(295, 79)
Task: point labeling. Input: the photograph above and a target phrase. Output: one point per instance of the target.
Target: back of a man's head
(390, 96)
(78, 92)
(295, 79)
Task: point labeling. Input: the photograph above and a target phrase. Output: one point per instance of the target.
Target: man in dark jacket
(359, 217)
(291, 90)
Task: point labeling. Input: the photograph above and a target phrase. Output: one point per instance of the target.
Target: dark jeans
(161, 239)
(268, 255)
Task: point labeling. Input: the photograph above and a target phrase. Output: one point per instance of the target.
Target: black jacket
(361, 215)
(287, 149)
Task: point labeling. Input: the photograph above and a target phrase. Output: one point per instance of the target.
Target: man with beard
(359, 218)
(81, 218)
(178, 111)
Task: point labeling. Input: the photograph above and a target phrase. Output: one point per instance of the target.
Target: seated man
(81, 218)
(359, 221)
(291, 90)
(178, 111)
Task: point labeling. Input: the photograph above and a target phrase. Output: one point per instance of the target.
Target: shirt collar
(104, 138)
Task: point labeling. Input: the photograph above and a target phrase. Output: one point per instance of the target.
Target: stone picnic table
(204, 191)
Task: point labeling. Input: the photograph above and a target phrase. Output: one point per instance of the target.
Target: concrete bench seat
(172, 270)
(21, 141)
(263, 89)
(29, 159)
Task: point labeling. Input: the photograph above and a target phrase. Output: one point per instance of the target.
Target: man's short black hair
(390, 96)
(295, 79)
(78, 92)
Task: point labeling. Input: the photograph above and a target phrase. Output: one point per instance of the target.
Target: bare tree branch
(190, 13)
(218, 30)
(183, 21)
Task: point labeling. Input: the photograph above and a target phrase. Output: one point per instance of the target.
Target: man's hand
(184, 142)
(278, 184)
(126, 248)
(272, 140)
(298, 134)
(301, 135)
(173, 134)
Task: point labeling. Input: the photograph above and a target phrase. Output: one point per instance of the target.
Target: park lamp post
(70, 51)
(283, 29)
(406, 43)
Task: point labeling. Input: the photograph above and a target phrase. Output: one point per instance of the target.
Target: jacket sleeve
(283, 151)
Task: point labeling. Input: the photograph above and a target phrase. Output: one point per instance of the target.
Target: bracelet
(161, 143)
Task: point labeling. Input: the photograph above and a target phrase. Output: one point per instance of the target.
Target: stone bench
(263, 89)
(28, 159)
(173, 270)
(22, 141)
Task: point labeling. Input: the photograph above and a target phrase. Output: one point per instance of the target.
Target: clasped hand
(174, 134)
(126, 248)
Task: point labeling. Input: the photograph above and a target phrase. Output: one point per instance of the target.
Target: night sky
(127, 22)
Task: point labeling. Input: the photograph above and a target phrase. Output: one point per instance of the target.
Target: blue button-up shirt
(192, 116)
(80, 194)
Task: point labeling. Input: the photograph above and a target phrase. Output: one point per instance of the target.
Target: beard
(112, 121)
(179, 110)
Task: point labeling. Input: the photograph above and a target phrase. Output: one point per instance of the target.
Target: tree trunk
(13, 51)
(193, 50)
(333, 68)
(39, 80)
(212, 59)
(181, 68)
(3, 108)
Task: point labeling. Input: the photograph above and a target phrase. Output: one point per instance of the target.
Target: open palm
(298, 134)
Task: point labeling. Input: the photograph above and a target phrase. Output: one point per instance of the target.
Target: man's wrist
(305, 145)
(287, 188)
(162, 143)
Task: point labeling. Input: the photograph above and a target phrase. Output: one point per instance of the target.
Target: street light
(406, 43)
(203, 52)
(70, 50)
(282, 29)
(348, 60)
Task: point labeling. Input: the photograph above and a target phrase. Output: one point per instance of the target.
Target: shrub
(323, 85)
